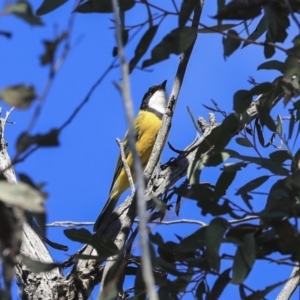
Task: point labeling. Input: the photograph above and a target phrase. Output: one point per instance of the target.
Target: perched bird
(147, 124)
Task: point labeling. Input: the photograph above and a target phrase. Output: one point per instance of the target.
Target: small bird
(147, 124)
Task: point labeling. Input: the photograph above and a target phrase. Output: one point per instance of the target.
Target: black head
(155, 98)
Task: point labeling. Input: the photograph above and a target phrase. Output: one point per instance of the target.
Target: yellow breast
(147, 125)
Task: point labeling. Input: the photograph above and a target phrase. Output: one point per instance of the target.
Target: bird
(147, 124)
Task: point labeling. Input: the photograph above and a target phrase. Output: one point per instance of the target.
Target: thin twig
(68, 224)
(197, 222)
(288, 52)
(175, 6)
(167, 118)
(181, 221)
(5, 121)
(287, 2)
(126, 167)
(290, 286)
(88, 95)
(17, 159)
(55, 67)
(141, 205)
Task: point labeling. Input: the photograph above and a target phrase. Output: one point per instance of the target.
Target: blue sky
(78, 173)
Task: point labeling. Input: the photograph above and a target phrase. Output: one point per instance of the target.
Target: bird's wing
(119, 164)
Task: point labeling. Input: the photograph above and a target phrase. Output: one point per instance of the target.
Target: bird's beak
(163, 85)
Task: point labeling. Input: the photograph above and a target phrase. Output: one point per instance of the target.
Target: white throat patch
(158, 101)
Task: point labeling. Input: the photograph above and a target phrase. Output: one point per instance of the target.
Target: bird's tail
(105, 213)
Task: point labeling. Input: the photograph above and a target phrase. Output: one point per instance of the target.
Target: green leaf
(49, 5)
(201, 290)
(269, 50)
(230, 44)
(169, 267)
(156, 239)
(124, 37)
(22, 195)
(260, 29)
(261, 88)
(166, 291)
(139, 285)
(49, 139)
(204, 195)
(23, 10)
(180, 283)
(272, 166)
(243, 142)
(38, 266)
(223, 183)
(291, 74)
(280, 156)
(241, 101)
(265, 118)
(213, 238)
(187, 7)
(272, 65)
(238, 10)
(103, 245)
(297, 134)
(222, 134)
(193, 171)
(296, 161)
(19, 96)
(217, 28)
(167, 252)
(293, 181)
(103, 6)
(244, 259)
(279, 125)
(291, 125)
(215, 159)
(142, 46)
(209, 160)
(196, 240)
(177, 41)
(110, 290)
(219, 285)
(252, 185)
(234, 167)
(258, 295)
(278, 201)
(277, 21)
(196, 191)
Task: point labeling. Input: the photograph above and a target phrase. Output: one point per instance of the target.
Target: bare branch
(290, 287)
(125, 88)
(126, 167)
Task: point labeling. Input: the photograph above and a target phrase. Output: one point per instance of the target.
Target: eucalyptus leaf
(219, 285)
(241, 101)
(243, 142)
(104, 246)
(176, 42)
(23, 10)
(187, 7)
(272, 65)
(231, 44)
(22, 195)
(20, 96)
(244, 259)
(49, 5)
(38, 266)
(213, 238)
